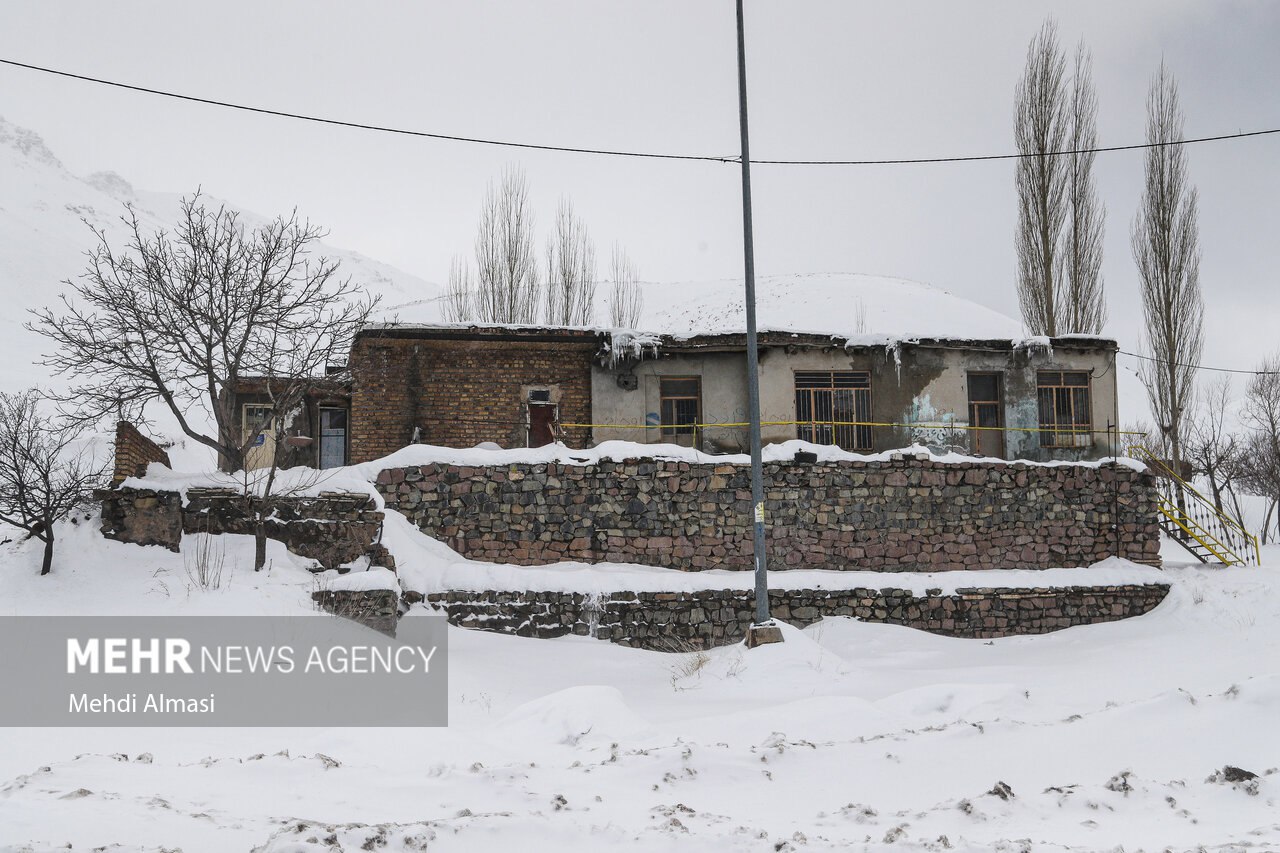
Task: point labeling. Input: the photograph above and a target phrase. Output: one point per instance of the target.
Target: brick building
(459, 386)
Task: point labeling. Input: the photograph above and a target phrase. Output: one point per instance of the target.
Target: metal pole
(753, 361)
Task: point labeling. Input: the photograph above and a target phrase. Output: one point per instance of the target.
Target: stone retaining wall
(375, 608)
(678, 621)
(905, 514)
(333, 528)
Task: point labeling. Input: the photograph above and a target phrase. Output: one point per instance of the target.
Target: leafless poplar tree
(1083, 308)
(1060, 219)
(506, 264)
(181, 319)
(571, 271)
(459, 293)
(1040, 130)
(46, 473)
(626, 302)
(1166, 248)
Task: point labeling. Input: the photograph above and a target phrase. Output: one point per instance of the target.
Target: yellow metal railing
(1222, 536)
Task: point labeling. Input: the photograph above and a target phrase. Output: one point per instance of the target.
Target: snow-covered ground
(847, 736)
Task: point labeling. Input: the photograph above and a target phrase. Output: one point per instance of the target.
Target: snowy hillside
(43, 238)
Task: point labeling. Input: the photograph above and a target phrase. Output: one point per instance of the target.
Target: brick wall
(679, 621)
(900, 515)
(460, 392)
(134, 452)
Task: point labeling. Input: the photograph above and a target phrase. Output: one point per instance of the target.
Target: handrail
(1181, 519)
(1231, 525)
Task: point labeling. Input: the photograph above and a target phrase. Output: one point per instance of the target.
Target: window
(257, 419)
(1065, 409)
(834, 408)
(681, 405)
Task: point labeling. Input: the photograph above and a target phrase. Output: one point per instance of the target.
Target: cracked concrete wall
(912, 384)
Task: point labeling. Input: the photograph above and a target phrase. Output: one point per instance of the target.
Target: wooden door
(986, 411)
(542, 419)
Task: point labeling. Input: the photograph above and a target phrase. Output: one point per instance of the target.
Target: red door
(542, 420)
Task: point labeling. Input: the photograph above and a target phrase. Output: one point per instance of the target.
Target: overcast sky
(827, 80)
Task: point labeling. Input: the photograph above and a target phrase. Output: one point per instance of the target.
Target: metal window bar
(830, 405)
(1064, 401)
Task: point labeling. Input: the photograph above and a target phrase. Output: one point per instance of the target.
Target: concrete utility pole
(763, 630)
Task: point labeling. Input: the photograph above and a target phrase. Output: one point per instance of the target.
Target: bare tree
(626, 303)
(571, 271)
(1041, 178)
(183, 319)
(459, 293)
(1082, 304)
(1060, 218)
(1166, 248)
(1213, 450)
(1261, 477)
(506, 264)
(46, 471)
(1261, 414)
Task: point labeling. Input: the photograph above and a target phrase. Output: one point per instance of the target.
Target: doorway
(986, 410)
(333, 438)
(542, 420)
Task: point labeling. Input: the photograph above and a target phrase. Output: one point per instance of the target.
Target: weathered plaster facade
(918, 382)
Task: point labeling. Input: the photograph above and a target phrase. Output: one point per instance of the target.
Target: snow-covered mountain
(44, 209)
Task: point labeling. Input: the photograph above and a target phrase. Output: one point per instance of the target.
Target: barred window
(834, 407)
(1065, 408)
(681, 405)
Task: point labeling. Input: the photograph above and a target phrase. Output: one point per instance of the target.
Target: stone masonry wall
(134, 452)
(378, 609)
(907, 514)
(333, 528)
(460, 393)
(671, 621)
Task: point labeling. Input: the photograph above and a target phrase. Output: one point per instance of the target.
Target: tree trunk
(47, 565)
(259, 544)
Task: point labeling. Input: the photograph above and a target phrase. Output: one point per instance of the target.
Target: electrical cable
(1202, 366)
(901, 161)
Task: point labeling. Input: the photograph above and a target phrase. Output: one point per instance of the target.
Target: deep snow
(847, 736)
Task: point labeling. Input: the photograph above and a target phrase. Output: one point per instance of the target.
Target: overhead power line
(362, 126)
(1202, 366)
(706, 158)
